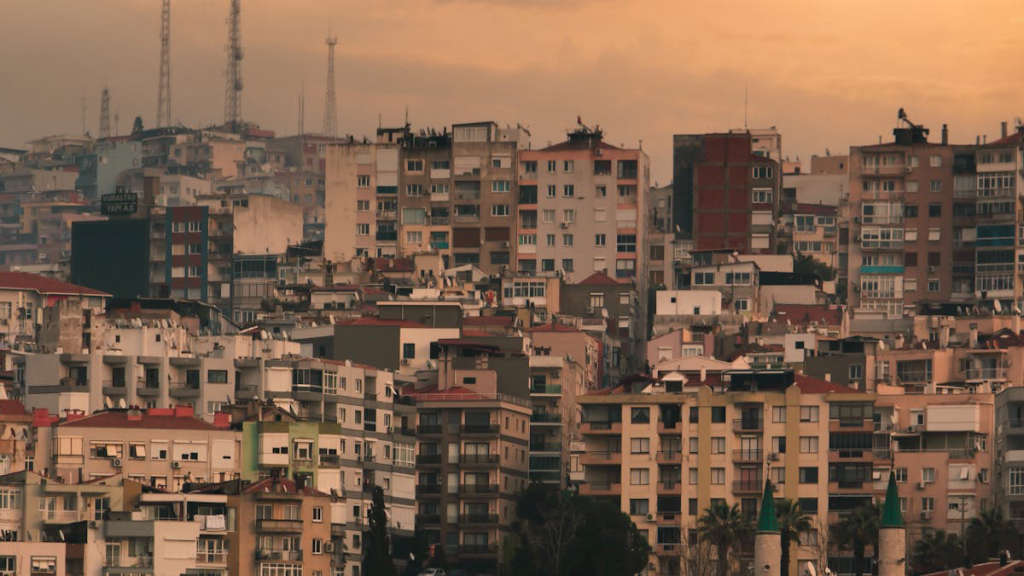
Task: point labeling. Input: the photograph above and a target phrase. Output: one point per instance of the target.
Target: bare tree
(699, 559)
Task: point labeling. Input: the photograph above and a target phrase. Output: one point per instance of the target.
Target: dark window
(640, 416)
(638, 507)
(935, 210)
(409, 350)
(217, 376)
(717, 414)
(499, 258)
(934, 258)
(910, 259)
(693, 507)
(694, 415)
(808, 475)
(809, 505)
(910, 211)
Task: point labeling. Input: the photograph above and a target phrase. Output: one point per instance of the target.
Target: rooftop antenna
(745, 90)
(302, 109)
(233, 85)
(84, 131)
(163, 103)
(117, 121)
(331, 107)
(105, 113)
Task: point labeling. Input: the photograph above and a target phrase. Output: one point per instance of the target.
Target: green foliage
(988, 534)
(937, 550)
(858, 530)
(805, 264)
(565, 534)
(725, 527)
(377, 546)
(792, 521)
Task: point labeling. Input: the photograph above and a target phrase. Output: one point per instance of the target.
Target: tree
(792, 522)
(565, 534)
(937, 550)
(805, 264)
(858, 530)
(377, 546)
(137, 126)
(724, 527)
(988, 534)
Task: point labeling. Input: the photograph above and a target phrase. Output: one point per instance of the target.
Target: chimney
(945, 135)
(1003, 129)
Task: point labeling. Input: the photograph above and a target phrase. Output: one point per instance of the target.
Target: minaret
(892, 538)
(768, 541)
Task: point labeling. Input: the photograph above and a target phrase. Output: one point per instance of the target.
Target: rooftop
(803, 314)
(154, 419)
(599, 279)
(43, 285)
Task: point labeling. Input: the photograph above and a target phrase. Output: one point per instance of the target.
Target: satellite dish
(122, 404)
(997, 306)
(809, 570)
(106, 402)
(61, 534)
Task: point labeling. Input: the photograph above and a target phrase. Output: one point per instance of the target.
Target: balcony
(422, 519)
(482, 459)
(438, 245)
(601, 458)
(428, 429)
(279, 525)
(468, 489)
(545, 418)
(986, 373)
(439, 196)
(478, 549)
(110, 388)
(847, 485)
(548, 390)
(182, 392)
(428, 459)
(752, 456)
(601, 488)
(439, 220)
(330, 460)
(747, 487)
(601, 427)
(278, 555)
(207, 557)
(851, 425)
(469, 519)
(670, 487)
(747, 425)
(479, 428)
(136, 565)
(545, 447)
(675, 427)
(422, 489)
(864, 454)
(59, 516)
(670, 456)
(387, 236)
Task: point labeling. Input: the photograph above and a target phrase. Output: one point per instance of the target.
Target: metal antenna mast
(233, 87)
(163, 104)
(105, 114)
(331, 107)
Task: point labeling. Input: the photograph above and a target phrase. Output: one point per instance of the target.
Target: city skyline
(664, 69)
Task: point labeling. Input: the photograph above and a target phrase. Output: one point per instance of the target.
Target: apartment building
(612, 310)
(586, 201)
(15, 436)
(161, 447)
(555, 384)
(660, 239)
(901, 238)
(664, 450)
(726, 191)
(815, 233)
(941, 449)
(473, 442)
(998, 178)
(24, 297)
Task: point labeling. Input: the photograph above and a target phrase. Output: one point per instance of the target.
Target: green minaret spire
(891, 516)
(767, 522)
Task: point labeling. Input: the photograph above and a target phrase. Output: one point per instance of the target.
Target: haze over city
(825, 73)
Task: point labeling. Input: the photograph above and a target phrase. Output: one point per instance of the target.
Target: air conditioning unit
(650, 517)
(504, 244)
(922, 485)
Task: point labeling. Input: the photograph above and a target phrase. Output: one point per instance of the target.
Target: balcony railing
(479, 488)
(748, 425)
(479, 458)
(428, 459)
(428, 429)
(751, 455)
(479, 428)
(428, 488)
(478, 519)
(547, 389)
(207, 557)
(670, 455)
(546, 417)
(278, 525)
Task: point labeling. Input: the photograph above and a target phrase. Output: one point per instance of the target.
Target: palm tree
(724, 527)
(937, 550)
(988, 534)
(792, 522)
(858, 530)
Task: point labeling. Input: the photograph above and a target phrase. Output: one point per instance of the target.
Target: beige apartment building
(162, 448)
(583, 209)
(815, 233)
(665, 450)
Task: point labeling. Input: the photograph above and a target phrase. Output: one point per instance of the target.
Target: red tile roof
(987, 569)
(281, 486)
(810, 385)
(599, 279)
(43, 284)
(816, 209)
(552, 327)
(120, 419)
(1010, 140)
(13, 409)
(803, 314)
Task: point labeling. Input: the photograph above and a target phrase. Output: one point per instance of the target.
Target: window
(501, 186)
(718, 445)
(779, 414)
(808, 444)
(640, 446)
(935, 210)
(856, 372)
(808, 475)
(639, 476)
(639, 507)
(552, 191)
(317, 546)
(362, 229)
(640, 415)
(409, 350)
(717, 414)
(934, 234)
(933, 284)
(718, 476)
(549, 240)
(567, 265)
(568, 166)
(935, 161)
(548, 216)
(761, 196)
(600, 215)
(601, 191)
(808, 413)
(693, 476)
(599, 239)
(414, 190)
(900, 474)
(928, 475)
(363, 181)
(100, 508)
(414, 165)
(910, 211)
(625, 243)
(363, 205)
(569, 216)
(552, 166)
(625, 268)
(567, 240)
(500, 210)
(936, 186)
(568, 191)
(779, 444)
